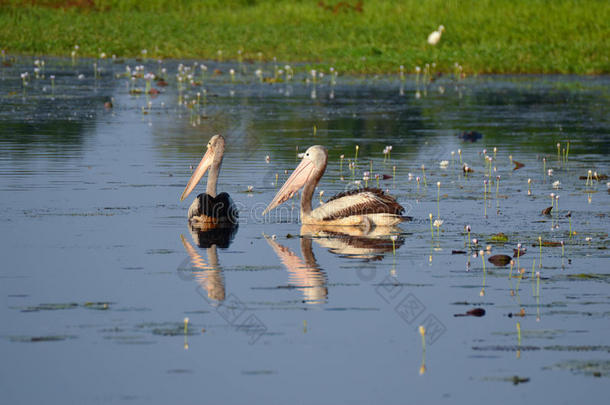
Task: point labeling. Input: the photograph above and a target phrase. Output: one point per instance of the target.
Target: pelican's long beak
(203, 166)
(297, 179)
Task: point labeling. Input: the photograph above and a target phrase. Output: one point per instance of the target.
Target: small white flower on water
(529, 181)
(313, 73)
(452, 153)
(321, 193)
(410, 175)
(417, 69)
(552, 195)
(475, 241)
(76, 47)
(258, 73)
(231, 72)
(588, 239)
(467, 228)
(250, 188)
(549, 172)
(438, 223)
(417, 179)
(438, 183)
(357, 182)
(556, 184)
(144, 51)
(52, 77)
(393, 238)
(342, 157)
(367, 174)
(81, 76)
(444, 164)
(557, 197)
(267, 158)
(103, 55)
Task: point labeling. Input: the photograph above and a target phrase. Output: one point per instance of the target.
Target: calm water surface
(100, 268)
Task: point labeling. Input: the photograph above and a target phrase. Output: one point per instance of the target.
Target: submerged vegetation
(372, 36)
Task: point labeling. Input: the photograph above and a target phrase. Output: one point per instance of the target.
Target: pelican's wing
(358, 202)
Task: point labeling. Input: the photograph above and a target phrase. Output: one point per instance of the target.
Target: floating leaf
(518, 252)
(500, 260)
(499, 237)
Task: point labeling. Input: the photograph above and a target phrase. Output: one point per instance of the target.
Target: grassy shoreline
(485, 36)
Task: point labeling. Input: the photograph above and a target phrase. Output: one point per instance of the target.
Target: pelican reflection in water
(208, 274)
(349, 242)
(305, 273)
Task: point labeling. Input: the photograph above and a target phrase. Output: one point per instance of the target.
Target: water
(100, 268)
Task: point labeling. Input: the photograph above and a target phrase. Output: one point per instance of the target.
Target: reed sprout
(423, 170)
(438, 199)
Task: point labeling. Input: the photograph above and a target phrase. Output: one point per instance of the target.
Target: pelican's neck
(309, 189)
(213, 174)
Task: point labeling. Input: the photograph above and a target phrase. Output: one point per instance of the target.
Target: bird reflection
(348, 242)
(355, 242)
(208, 274)
(303, 273)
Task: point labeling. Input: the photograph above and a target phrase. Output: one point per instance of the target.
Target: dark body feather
(374, 201)
(221, 209)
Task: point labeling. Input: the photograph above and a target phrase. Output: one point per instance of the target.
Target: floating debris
(478, 312)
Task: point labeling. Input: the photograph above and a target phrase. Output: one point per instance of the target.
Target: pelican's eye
(307, 154)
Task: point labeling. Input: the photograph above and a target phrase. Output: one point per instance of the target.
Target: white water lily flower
(443, 164)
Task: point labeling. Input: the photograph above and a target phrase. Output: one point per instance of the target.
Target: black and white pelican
(209, 210)
(364, 207)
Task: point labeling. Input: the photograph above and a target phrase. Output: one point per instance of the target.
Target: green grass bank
(371, 36)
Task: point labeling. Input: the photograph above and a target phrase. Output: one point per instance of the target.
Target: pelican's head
(215, 150)
(314, 161)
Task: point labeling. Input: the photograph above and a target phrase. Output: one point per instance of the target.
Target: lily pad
(499, 237)
(500, 260)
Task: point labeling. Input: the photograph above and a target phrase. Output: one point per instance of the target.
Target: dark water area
(100, 268)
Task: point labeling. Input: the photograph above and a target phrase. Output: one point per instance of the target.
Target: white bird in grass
(435, 36)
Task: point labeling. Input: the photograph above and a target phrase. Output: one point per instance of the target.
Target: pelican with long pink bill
(210, 210)
(364, 207)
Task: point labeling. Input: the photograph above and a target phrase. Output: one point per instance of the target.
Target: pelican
(209, 210)
(364, 207)
(435, 36)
